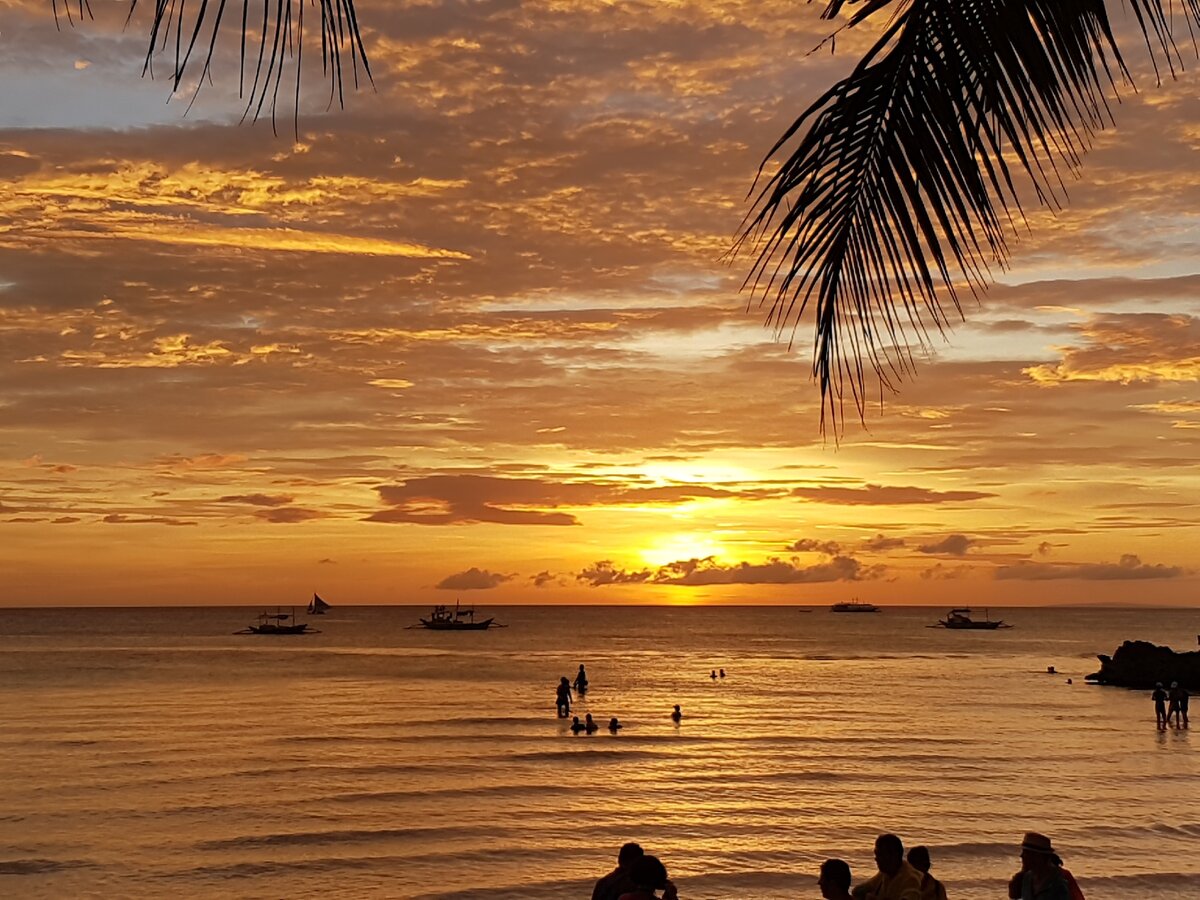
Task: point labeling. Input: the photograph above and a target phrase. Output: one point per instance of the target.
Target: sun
(670, 548)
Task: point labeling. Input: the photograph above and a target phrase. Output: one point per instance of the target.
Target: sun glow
(670, 548)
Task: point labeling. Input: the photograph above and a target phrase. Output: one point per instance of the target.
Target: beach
(151, 752)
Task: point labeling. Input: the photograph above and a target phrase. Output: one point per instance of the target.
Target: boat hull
(973, 626)
(457, 626)
(279, 629)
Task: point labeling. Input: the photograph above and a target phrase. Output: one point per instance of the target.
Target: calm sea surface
(151, 753)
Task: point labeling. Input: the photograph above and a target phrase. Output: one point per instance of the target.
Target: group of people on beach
(562, 703)
(1178, 698)
(640, 876)
(1041, 876)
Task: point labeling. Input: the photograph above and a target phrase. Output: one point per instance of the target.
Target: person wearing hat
(1160, 705)
(1040, 877)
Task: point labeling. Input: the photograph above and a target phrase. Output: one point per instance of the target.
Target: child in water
(614, 726)
(576, 725)
(676, 715)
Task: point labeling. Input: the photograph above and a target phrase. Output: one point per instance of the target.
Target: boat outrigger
(960, 618)
(443, 618)
(317, 606)
(277, 623)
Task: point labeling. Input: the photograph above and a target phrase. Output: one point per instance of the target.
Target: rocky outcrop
(1140, 664)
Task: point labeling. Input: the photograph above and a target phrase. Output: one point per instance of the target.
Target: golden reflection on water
(377, 761)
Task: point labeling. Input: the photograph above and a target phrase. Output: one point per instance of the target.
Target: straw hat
(1037, 843)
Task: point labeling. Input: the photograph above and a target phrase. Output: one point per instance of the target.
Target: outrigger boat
(317, 606)
(443, 618)
(960, 618)
(277, 623)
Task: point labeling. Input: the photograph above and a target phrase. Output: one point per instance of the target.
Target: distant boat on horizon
(458, 619)
(317, 606)
(854, 606)
(960, 618)
(277, 623)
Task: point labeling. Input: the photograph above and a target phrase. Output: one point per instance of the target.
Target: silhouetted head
(629, 854)
(581, 667)
(889, 853)
(649, 873)
(613, 724)
(918, 858)
(574, 720)
(588, 717)
(1036, 851)
(834, 881)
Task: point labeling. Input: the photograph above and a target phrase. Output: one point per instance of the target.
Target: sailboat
(317, 606)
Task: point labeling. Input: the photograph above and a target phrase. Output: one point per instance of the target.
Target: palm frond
(189, 31)
(898, 192)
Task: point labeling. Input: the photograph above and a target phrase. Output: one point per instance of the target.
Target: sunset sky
(476, 336)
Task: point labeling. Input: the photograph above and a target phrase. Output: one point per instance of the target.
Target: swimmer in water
(581, 682)
(576, 725)
(676, 715)
(614, 726)
(589, 724)
(563, 698)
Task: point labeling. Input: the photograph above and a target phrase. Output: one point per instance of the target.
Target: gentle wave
(40, 866)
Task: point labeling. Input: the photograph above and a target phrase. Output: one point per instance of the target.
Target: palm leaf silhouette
(898, 192)
(188, 32)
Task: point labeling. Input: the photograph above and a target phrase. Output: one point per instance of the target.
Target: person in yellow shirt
(896, 879)
(931, 888)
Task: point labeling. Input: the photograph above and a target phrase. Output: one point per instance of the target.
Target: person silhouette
(581, 681)
(835, 880)
(676, 715)
(931, 888)
(614, 726)
(713, 676)
(576, 725)
(619, 881)
(722, 673)
(589, 724)
(896, 878)
(1040, 875)
(650, 875)
(1160, 706)
(563, 698)
(1177, 705)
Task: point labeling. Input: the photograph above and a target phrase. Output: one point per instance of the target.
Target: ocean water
(152, 753)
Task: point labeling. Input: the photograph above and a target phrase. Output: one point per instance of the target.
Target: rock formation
(1140, 664)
